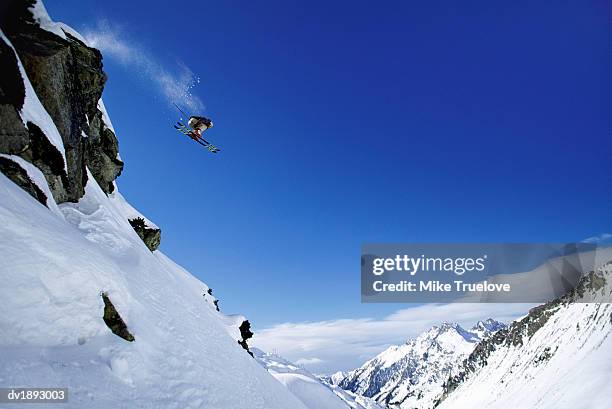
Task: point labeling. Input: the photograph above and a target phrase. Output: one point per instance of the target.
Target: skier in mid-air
(196, 127)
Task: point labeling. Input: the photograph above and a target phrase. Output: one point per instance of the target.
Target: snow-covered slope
(558, 356)
(51, 327)
(57, 261)
(412, 375)
(314, 392)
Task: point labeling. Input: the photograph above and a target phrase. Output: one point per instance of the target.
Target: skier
(196, 125)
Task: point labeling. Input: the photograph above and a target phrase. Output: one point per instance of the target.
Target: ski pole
(180, 110)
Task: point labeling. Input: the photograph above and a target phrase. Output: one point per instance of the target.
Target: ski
(183, 128)
(186, 131)
(190, 133)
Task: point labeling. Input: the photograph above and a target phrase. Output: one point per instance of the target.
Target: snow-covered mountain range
(412, 375)
(557, 356)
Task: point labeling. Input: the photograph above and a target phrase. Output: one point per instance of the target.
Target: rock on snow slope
(59, 252)
(314, 392)
(412, 375)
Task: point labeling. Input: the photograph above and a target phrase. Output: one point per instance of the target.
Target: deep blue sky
(343, 123)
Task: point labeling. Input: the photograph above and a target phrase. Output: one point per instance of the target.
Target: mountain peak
(446, 325)
(489, 325)
(414, 371)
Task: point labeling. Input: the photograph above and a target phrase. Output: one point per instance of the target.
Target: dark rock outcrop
(209, 294)
(114, 321)
(45, 156)
(101, 151)
(13, 134)
(27, 141)
(68, 79)
(18, 175)
(245, 333)
(149, 235)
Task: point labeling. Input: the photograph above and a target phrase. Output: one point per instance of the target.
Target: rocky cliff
(68, 79)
